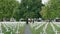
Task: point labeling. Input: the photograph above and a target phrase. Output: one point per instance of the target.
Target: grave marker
(11, 33)
(17, 32)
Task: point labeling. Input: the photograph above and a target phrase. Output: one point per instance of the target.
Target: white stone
(52, 26)
(7, 29)
(11, 33)
(1, 33)
(39, 26)
(45, 27)
(17, 32)
(41, 33)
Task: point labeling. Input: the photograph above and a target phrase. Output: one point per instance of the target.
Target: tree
(16, 15)
(30, 8)
(7, 8)
(51, 10)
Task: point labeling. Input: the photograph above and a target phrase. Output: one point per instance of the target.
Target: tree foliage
(7, 8)
(30, 8)
(51, 10)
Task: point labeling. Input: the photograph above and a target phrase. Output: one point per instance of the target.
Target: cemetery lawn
(22, 30)
(38, 30)
(10, 29)
(57, 28)
(49, 29)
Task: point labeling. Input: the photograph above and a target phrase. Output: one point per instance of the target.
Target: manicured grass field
(57, 28)
(15, 28)
(49, 29)
(38, 28)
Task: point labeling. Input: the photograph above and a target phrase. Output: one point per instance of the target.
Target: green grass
(21, 30)
(49, 29)
(38, 30)
(57, 28)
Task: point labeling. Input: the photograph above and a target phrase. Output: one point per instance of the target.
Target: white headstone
(56, 32)
(12, 19)
(11, 33)
(44, 32)
(0, 28)
(13, 29)
(41, 33)
(4, 20)
(7, 29)
(17, 32)
(1, 33)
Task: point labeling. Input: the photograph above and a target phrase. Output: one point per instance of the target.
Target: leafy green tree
(7, 8)
(16, 15)
(30, 8)
(51, 10)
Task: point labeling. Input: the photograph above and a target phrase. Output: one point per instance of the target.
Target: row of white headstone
(1, 29)
(36, 24)
(55, 30)
(45, 27)
(57, 24)
(12, 26)
(39, 25)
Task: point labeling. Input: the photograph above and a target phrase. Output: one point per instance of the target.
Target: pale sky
(19, 1)
(43, 1)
